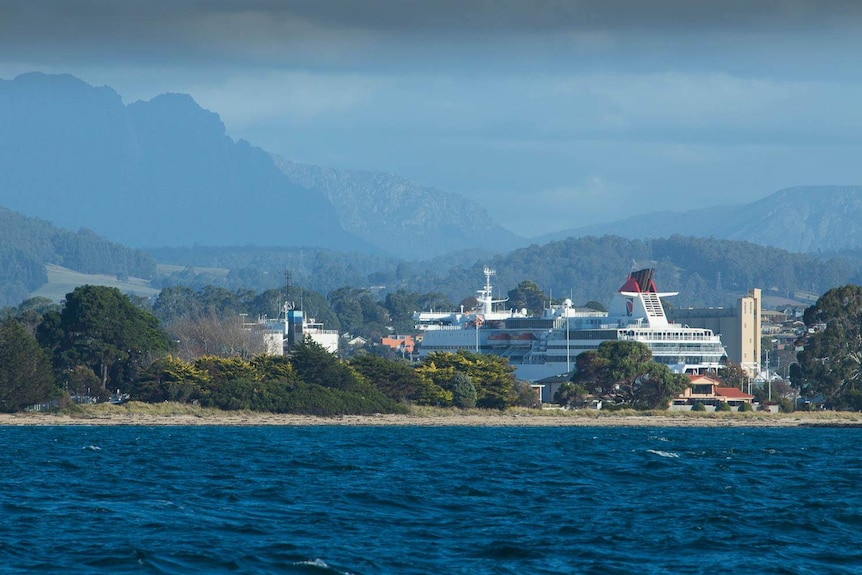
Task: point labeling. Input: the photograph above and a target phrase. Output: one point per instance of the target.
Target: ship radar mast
(486, 294)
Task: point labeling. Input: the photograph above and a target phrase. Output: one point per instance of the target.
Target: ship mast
(486, 299)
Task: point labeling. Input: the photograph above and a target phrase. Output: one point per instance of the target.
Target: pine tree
(25, 372)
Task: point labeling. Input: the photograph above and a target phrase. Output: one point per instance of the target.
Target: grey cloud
(244, 29)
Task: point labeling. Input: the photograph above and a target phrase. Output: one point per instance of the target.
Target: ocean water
(418, 500)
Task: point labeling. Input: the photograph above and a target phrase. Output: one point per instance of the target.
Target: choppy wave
(402, 500)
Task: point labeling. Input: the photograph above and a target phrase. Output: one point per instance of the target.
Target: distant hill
(27, 245)
(400, 216)
(800, 219)
(155, 173)
(705, 272)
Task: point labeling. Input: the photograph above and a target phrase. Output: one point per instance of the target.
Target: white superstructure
(291, 327)
(546, 345)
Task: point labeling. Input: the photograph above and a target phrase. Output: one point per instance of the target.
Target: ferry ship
(545, 346)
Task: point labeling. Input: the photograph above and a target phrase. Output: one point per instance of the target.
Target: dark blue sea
(420, 500)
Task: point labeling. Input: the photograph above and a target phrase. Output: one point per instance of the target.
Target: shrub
(463, 391)
(396, 379)
(571, 395)
(698, 406)
(785, 405)
(724, 406)
(527, 396)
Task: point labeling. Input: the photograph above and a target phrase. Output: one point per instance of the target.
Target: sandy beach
(122, 415)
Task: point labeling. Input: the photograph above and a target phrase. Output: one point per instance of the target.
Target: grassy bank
(158, 414)
(135, 410)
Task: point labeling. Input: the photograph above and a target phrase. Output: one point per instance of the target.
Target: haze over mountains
(800, 219)
(152, 173)
(410, 220)
(164, 173)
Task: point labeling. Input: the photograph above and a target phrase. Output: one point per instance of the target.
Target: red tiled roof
(732, 393)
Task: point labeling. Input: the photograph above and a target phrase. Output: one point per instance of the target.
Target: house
(357, 341)
(708, 391)
(733, 397)
(550, 386)
(400, 343)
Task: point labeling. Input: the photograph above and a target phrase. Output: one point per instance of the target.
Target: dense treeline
(99, 341)
(704, 271)
(312, 382)
(587, 270)
(316, 382)
(21, 274)
(27, 244)
(357, 311)
(263, 268)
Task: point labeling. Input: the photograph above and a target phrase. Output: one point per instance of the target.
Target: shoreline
(119, 415)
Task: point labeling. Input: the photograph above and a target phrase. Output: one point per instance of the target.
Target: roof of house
(732, 393)
(696, 378)
(561, 378)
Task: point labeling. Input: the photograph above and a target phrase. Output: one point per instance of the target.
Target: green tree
(434, 301)
(273, 367)
(395, 378)
(401, 306)
(374, 316)
(733, 375)
(176, 302)
(25, 372)
(81, 381)
(831, 361)
(571, 394)
(492, 376)
(526, 396)
(313, 364)
(657, 386)
(170, 379)
(219, 301)
(528, 295)
(625, 372)
(345, 303)
(463, 391)
(100, 328)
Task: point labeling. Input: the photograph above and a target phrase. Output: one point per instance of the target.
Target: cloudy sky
(551, 113)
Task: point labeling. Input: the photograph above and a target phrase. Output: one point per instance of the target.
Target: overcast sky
(551, 113)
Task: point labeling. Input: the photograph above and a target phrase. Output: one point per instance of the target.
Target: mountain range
(164, 173)
(161, 172)
(801, 219)
(400, 216)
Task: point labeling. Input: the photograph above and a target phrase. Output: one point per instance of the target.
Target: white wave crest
(670, 454)
(320, 563)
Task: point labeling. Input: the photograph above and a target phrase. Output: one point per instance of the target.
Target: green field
(62, 281)
(165, 269)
